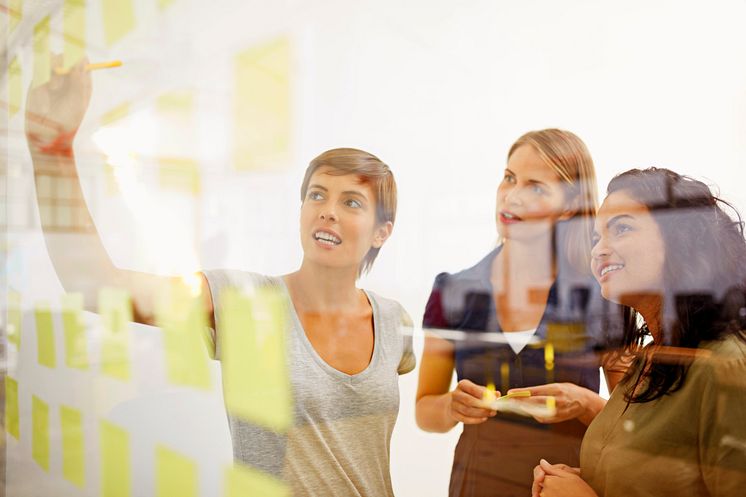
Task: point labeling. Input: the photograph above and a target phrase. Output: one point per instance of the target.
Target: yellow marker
(241, 481)
(263, 107)
(176, 475)
(45, 348)
(119, 19)
(551, 403)
(42, 55)
(73, 452)
(505, 376)
(549, 361)
(11, 407)
(73, 32)
(15, 317)
(489, 394)
(91, 67)
(116, 313)
(15, 87)
(182, 317)
(116, 470)
(76, 346)
(256, 381)
(40, 432)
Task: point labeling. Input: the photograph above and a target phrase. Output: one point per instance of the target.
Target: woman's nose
(600, 249)
(328, 215)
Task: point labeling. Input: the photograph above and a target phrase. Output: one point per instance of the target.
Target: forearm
(593, 404)
(432, 413)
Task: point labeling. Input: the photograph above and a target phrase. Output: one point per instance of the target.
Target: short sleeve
(434, 316)
(406, 327)
(723, 426)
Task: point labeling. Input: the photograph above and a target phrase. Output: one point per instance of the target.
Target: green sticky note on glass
(14, 317)
(256, 382)
(116, 470)
(73, 31)
(40, 432)
(76, 345)
(119, 19)
(182, 317)
(115, 309)
(45, 336)
(15, 87)
(11, 407)
(242, 481)
(73, 447)
(42, 55)
(175, 475)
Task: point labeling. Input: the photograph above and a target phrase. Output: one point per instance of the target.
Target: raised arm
(54, 112)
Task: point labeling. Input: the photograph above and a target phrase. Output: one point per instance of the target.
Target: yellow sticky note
(116, 313)
(45, 348)
(11, 407)
(15, 317)
(262, 107)
(256, 381)
(119, 19)
(175, 475)
(73, 453)
(15, 87)
(76, 346)
(115, 114)
(182, 317)
(73, 31)
(179, 173)
(241, 481)
(116, 470)
(179, 102)
(163, 4)
(42, 55)
(15, 12)
(40, 432)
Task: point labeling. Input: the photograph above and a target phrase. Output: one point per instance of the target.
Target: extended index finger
(548, 389)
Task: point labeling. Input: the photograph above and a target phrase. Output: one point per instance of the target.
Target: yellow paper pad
(73, 453)
(45, 337)
(40, 432)
(73, 31)
(176, 475)
(182, 317)
(242, 481)
(116, 314)
(119, 19)
(14, 318)
(256, 381)
(15, 12)
(263, 107)
(11, 407)
(116, 472)
(15, 87)
(76, 346)
(42, 55)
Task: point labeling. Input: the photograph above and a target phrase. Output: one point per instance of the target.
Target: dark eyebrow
(354, 192)
(616, 219)
(318, 186)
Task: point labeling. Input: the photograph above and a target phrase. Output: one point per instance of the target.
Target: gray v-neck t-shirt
(340, 439)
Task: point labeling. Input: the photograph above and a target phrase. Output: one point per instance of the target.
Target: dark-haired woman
(676, 425)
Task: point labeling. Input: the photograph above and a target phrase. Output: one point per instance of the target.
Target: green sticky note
(242, 481)
(73, 31)
(176, 475)
(115, 309)
(40, 432)
(76, 346)
(119, 19)
(182, 317)
(256, 382)
(11, 407)
(45, 336)
(73, 461)
(14, 317)
(116, 470)
(15, 87)
(42, 55)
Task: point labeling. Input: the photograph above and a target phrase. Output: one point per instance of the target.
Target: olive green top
(691, 442)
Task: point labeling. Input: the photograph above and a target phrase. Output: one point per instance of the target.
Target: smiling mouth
(326, 238)
(611, 268)
(509, 217)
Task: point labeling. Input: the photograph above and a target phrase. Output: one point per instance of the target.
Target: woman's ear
(383, 232)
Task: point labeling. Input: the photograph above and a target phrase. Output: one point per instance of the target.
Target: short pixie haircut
(371, 171)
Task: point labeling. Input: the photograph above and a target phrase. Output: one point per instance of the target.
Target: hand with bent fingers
(559, 480)
(467, 405)
(571, 401)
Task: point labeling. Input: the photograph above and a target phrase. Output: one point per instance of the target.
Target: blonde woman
(527, 314)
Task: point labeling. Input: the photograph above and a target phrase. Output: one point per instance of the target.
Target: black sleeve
(434, 314)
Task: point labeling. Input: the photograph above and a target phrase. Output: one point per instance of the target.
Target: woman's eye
(538, 190)
(622, 228)
(509, 178)
(353, 203)
(315, 196)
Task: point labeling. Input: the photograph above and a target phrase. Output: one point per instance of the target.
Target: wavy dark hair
(704, 273)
